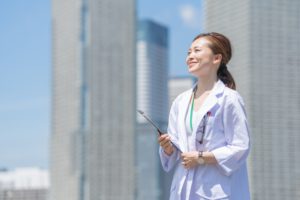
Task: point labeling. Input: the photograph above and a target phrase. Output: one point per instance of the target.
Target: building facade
(265, 64)
(24, 184)
(152, 98)
(178, 85)
(93, 104)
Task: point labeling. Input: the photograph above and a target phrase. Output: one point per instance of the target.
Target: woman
(208, 140)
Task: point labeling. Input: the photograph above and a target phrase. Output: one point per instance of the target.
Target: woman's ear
(217, 58)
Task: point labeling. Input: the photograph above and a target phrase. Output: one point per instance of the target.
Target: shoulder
(234, 106)
(232, 97)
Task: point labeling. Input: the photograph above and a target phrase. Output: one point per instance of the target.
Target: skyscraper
(265, 64)
(93, 119)
(152, 98)
(152, 70)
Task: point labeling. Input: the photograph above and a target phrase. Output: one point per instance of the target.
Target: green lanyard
(191, 112)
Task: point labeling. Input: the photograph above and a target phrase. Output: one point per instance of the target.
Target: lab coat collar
(218, 88)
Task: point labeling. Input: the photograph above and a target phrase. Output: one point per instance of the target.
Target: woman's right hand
(165, 142)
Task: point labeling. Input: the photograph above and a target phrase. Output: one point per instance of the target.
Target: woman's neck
(205, 85)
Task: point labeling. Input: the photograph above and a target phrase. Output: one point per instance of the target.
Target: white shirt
(195, 119)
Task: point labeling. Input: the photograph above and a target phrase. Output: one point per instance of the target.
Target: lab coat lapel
(210, 101)
(182, 129)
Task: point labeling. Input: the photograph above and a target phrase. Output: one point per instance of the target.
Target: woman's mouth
(191, 64)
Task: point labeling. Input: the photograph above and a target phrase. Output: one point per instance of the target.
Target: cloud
(190, 16)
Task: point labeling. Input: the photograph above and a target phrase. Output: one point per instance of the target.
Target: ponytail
(225, 76)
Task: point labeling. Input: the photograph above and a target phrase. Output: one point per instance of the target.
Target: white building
(24, 184)
(93, 105)
(179, 84)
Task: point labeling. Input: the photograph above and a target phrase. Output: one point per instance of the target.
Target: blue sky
(25, 70)
(25, 59)
(183, 18)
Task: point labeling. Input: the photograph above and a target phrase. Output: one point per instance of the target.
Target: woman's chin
(193, 71)
(196, 72)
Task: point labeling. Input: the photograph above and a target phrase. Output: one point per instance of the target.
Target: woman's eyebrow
(196, 47)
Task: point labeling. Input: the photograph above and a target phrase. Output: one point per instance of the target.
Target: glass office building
(152, 98)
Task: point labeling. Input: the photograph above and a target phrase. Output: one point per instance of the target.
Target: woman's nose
(190, 56)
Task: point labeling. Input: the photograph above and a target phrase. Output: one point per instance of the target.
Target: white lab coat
(226, 136)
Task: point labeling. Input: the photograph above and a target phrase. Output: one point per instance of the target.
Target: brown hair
(220, 44)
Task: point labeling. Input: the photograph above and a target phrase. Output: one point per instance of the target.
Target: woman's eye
(197, 50)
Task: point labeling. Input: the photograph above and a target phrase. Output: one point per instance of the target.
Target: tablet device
(150, 121)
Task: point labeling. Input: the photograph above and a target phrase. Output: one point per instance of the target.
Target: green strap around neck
(191, 112)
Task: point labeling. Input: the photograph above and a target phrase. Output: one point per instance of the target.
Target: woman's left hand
(189, 159)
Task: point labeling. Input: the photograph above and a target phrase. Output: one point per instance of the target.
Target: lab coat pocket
(218, 187)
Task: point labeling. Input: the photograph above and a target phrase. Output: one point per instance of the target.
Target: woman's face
(201, 61)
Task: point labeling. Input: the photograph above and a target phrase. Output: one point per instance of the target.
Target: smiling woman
(208, 141)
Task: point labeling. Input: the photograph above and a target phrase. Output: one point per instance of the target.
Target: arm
(230, 157)
(168, 153)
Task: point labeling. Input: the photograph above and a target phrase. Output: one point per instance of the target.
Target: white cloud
(190, 15)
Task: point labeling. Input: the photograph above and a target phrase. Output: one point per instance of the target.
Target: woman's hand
(189, 159)
(165, 142)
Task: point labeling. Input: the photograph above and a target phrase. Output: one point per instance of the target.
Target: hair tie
(223, 66)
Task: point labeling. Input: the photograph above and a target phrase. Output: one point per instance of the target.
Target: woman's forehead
(200, 42)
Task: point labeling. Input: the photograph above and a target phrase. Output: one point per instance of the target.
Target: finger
(165, 142)
(161, 142)
(164, 146)
(168, 143)
(162, 138)
(167, 146)
(170, 148)
(185, 165)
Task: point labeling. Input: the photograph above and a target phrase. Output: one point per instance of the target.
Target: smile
(190, 64)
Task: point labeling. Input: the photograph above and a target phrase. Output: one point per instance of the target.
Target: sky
(25, 70)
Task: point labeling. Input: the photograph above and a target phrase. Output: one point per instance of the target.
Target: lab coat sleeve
(168, 162)
(231, 156)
